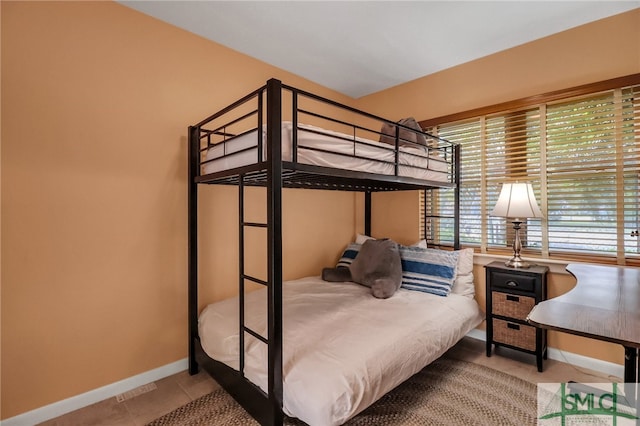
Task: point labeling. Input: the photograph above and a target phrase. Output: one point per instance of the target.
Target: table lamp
(517, 201)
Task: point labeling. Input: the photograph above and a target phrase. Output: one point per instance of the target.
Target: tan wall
(598, 51)
(396, 215)
(96, 102)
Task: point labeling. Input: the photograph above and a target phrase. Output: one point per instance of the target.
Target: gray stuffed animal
(377, 265)
(406, 137)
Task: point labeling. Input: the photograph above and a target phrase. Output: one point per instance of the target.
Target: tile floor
(177, 390)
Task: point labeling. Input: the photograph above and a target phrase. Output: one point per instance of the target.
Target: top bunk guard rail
(379, 133)
(352, 138)
(234, 142)
(299, 92)
(221, 130)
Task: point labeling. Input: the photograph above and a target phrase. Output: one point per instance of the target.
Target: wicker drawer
(518, 335)
(512, 305)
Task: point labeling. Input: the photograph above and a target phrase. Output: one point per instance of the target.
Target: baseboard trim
(59, 408)
(577, 360)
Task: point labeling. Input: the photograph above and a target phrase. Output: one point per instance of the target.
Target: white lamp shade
(517, 200)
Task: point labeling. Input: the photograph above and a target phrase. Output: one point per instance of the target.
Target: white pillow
(463, 284)
(420, 244)
(360, 239)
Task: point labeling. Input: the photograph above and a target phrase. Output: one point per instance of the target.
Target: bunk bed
(281, 137)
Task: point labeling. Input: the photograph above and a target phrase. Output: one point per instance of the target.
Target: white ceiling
(361, 47)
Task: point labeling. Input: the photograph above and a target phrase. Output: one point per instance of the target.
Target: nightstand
(511, 294)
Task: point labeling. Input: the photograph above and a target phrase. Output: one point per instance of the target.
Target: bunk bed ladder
(243, 276)
(273, 414)
(270, 413)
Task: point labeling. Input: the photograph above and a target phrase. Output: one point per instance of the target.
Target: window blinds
(582, 156)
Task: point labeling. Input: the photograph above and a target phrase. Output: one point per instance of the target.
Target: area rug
(447, 392)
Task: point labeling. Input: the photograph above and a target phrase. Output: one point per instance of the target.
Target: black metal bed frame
(275, 174)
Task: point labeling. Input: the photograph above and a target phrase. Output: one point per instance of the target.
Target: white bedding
(343, 348)
(414, 162)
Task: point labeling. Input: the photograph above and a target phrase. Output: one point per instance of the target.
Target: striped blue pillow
(428, 270)
(349, 254)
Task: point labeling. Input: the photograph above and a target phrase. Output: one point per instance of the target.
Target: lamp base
(517, 263)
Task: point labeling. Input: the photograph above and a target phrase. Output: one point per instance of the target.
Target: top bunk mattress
(343, 349)
(327, 148)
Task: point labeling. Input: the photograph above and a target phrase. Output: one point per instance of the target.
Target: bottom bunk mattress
(343, 349)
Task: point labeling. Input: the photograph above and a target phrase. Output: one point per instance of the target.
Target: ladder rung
(254, 334)
(255, 224)
(255, 280)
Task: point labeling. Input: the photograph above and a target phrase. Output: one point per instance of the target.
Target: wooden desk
(604, 305)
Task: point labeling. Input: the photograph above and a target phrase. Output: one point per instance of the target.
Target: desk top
(604, 304)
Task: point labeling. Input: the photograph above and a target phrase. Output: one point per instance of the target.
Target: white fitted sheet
(414, 162)
(343, 348)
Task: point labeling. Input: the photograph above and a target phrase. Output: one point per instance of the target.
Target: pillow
(421, 244)
(349, 254)
(388, 133)
(360, 239)
(463, 285)
(428, 270)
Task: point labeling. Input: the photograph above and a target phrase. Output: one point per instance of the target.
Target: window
(582, 155)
